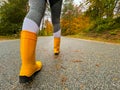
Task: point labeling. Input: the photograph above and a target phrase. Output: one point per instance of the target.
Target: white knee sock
(30, 25)
(57, 34)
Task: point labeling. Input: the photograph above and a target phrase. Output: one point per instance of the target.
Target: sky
(77, 1)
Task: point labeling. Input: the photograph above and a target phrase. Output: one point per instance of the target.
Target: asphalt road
(81, 65)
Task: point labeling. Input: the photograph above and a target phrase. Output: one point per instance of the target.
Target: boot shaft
(27, 46)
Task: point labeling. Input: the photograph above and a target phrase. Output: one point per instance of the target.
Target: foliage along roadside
(96, 20)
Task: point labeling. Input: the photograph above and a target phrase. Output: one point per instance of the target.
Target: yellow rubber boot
(56, 46)
(29, 66)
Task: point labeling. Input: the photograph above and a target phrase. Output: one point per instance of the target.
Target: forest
(90, 18)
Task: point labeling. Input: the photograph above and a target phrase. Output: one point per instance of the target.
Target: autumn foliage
(47, 31)
(49, 28)
(74, 25)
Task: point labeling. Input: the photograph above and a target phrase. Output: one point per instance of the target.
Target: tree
(67, 6)
(117, 9)
(47, 30)
(101, 8)
(73, 20)
(12, 13)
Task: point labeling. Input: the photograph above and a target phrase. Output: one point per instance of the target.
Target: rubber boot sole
(57, 53)
(25, 79)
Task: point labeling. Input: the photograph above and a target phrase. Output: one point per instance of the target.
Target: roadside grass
(112, 36)
(9, 37)
(96, 39)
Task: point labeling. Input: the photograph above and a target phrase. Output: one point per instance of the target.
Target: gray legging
(37, 9)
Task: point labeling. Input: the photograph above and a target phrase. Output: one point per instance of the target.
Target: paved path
(81, 65)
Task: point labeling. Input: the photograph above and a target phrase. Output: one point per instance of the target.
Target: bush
(74, 25)
(11, 16)
(9, 28)
(101, 25)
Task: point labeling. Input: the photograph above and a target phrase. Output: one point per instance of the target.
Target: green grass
(8, 37)
(112, 36)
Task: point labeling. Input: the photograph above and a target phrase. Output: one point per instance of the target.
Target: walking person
(29, 32)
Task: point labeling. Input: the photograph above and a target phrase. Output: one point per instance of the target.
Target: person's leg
(28, 40)
(56, 6)
(33, 18)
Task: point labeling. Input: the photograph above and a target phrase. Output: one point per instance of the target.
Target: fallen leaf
(115, 79)
(76, 51)
(58, 66)
(63, 67)
(76, 61)
(97, 65)
(63, 79)
(66, 89)
(82, 87)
